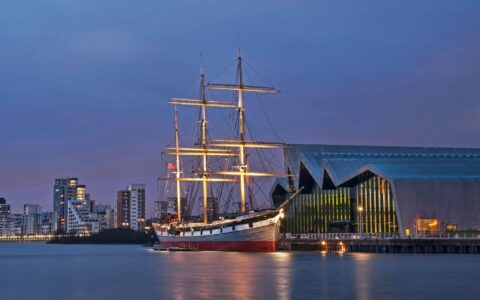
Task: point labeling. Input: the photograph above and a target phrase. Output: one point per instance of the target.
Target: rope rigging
(235, 124)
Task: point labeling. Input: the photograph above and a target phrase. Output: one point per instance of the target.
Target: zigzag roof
(342, 163)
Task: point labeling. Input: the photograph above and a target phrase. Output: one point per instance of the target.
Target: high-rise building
(12, 226)
(123, 209)
(4, 207)
(172, 206)
(130, 207)
(29, 209)
(92, 206)
(105, 216)
(137, 206)
(79, 219)
(82, 192)
(66, 189)
(32, 219)
(48, 222)
(212, 207)
(4, 216)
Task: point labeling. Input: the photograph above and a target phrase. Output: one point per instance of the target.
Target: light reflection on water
(131, 272)
(362, 263)
(282, 274)
(207, 275)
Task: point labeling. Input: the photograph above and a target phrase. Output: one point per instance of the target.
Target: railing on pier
(380, 236)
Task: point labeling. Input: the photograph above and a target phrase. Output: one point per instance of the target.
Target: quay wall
(426, 246)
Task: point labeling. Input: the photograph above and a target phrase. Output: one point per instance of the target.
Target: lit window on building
(336, 210)
(451, 227)
(427, 225)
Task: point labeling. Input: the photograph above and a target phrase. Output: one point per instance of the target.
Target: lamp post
(360, 220)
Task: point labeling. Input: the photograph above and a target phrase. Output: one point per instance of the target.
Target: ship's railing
(380, 236)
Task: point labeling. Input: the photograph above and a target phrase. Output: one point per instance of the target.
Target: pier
(422, 243)
(27, 238)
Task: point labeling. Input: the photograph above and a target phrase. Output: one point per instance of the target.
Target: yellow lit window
(427, 225)
(451, 227)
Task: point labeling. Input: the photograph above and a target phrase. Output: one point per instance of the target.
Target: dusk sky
(84, 85)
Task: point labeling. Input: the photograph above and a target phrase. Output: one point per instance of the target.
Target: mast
(242, 144)
(203, 148)
(241, 128)
(177, 173)
(204, 145)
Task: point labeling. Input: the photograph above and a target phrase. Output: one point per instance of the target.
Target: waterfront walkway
(30, 238)
(383, 243)
(26, 238)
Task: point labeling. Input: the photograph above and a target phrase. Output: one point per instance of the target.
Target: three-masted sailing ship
(248, 230)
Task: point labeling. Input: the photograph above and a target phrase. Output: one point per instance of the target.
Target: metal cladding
(440, 183)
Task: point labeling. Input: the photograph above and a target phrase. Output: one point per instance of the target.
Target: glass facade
(378, 212)
(365, 206)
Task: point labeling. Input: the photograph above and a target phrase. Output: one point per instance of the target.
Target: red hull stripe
(243, 246)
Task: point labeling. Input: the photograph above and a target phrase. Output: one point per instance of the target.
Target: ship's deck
(253, 217)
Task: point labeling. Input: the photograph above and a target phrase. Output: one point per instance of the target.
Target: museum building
(379, 189)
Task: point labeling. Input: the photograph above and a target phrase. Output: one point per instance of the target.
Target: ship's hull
(259, 236)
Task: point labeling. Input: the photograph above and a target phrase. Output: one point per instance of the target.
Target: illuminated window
(335, 210)
(427, 225)
(451, 227)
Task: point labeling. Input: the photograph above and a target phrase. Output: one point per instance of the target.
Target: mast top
(206, 148)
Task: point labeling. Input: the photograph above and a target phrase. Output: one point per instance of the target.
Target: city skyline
(312, 149)
(89, 98)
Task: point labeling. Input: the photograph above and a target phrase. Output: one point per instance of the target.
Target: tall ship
(225, 172)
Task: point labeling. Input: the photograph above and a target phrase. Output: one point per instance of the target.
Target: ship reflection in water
(212, 275)
(38, 271)
(288, 275)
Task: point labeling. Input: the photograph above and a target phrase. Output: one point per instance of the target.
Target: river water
(41, 271)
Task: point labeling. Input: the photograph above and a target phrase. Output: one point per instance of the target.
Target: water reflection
(282, 274)
(130, 272)
(207, 275)
(361, 270)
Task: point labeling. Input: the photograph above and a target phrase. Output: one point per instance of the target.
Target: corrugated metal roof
(429, 171)
(384, 151)
(342, 163)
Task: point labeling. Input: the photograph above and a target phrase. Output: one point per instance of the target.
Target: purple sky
(84, 84)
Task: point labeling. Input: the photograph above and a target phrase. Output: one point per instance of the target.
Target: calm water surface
(40, 271)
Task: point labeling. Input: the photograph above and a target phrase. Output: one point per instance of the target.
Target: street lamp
(360, 219)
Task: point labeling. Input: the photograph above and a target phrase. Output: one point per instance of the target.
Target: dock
(419, 244)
